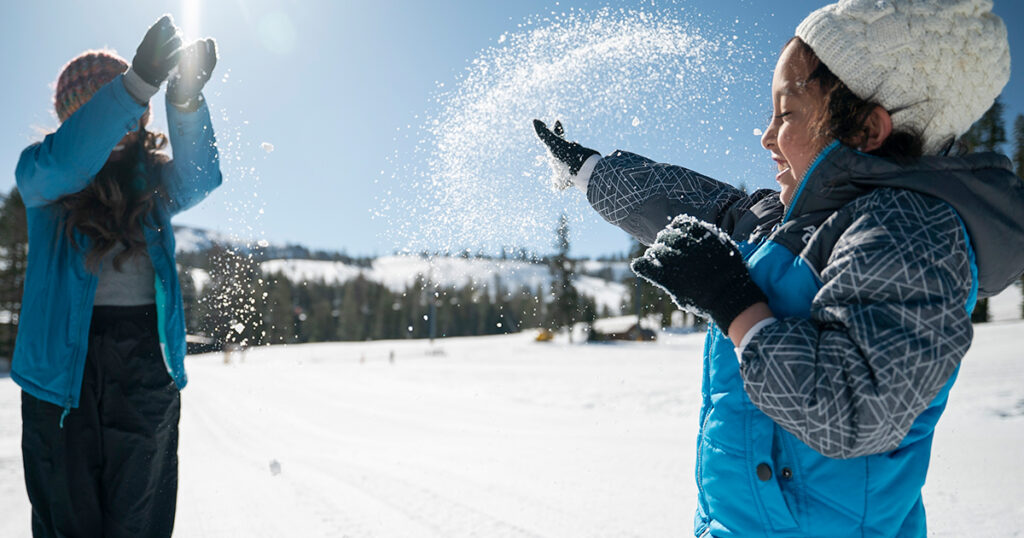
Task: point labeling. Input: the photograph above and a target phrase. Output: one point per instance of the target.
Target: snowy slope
(504, 437)
(1007, 305)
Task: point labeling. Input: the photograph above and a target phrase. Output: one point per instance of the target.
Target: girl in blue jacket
(841, 302)
(101, 334)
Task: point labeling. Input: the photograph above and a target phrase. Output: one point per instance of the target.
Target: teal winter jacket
(53, 327)
(824, 428)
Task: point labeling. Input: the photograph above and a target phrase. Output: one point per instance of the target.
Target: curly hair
(844, 115)
(115, 206)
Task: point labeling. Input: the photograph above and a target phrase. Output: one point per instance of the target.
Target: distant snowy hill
(399, 272)
(596, 279)
(189, 239)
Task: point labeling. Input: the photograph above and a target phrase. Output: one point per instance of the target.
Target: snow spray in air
(229, 284)
(475, 175)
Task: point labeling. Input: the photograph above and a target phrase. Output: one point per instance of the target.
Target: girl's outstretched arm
(195, 169)
(67, 159)
(642, 197)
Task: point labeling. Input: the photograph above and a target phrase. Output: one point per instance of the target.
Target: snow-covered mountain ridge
(600, 280)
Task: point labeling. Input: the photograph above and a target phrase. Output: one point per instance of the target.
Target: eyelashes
(775, 117)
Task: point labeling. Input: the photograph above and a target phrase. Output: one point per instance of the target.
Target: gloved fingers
(211, 54)
(162, 30)
(558, 129)
(163, 35)
(172, 50)
(198, 60)
(698, 230)
(648, 268)
(658, 258)
(674, 238)
(551, 140)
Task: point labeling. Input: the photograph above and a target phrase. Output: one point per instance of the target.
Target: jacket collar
(981, 187)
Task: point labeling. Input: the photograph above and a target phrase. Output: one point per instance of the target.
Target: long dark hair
(844, 114)
(118, 202)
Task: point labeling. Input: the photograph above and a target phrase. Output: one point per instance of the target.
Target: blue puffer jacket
(825, 427)
(56, 310)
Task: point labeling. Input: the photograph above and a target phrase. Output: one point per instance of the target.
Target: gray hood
(982, 188)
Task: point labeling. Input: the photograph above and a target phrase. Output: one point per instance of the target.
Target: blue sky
(341, 91)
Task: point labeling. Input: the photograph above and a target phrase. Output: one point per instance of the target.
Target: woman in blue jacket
(101, 334)
(841, 302)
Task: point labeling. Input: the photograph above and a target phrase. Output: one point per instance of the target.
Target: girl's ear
(877, 128)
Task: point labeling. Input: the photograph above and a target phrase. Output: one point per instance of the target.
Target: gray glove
(195, 68)
(156, 55)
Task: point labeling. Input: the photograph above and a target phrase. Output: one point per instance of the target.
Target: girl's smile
(791, 136)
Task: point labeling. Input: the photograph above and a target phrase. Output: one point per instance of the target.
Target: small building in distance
(627, 328)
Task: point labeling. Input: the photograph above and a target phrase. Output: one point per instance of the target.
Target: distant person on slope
(840, 303)
(101, 335)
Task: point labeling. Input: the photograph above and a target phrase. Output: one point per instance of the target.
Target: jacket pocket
(766, 472)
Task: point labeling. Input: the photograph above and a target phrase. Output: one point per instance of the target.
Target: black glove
(701, 269)
(568, 153)
(195, 67)
(158, 52)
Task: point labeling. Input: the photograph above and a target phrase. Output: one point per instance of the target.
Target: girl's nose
(768, 138)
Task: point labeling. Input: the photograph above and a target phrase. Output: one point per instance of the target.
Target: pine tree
(189, 298)
(652, 299)
(1018, 165)
(987, 134)
(563, 292)
(13, 261)
(279, 316)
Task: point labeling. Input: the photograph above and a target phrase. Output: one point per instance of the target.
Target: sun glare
(190, 19)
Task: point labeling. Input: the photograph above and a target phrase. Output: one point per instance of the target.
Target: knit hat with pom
(82, 76)
(935, 65)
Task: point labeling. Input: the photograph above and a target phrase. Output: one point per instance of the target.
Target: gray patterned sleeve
(887, 329)
(641, 196)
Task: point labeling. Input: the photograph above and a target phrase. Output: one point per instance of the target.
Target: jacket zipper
(703, 429)
(86, 305)
(803, 179)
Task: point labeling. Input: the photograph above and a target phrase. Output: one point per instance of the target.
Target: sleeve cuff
(582, 178)
(750, 336)
(139, 89)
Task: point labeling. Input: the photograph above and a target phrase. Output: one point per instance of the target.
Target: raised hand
(195, 67)
(158, 52)
(701, 269)
(568, 154)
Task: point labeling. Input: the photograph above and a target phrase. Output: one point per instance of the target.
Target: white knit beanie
(935, 65)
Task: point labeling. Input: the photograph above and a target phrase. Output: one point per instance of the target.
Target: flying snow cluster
(477, 175)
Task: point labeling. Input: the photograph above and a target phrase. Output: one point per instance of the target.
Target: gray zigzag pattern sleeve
(641, 196)
(887, 329)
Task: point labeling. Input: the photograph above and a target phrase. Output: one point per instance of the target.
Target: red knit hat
(82, 76)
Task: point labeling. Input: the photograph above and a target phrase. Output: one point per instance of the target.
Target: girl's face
(796, 105)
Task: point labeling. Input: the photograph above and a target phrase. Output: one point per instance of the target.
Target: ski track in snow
(503, 437)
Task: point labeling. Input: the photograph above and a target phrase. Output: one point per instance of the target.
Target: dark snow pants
(112, 469)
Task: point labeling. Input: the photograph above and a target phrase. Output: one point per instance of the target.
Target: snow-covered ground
(505, 437)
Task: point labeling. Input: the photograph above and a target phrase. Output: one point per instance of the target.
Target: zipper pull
(67, 411)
